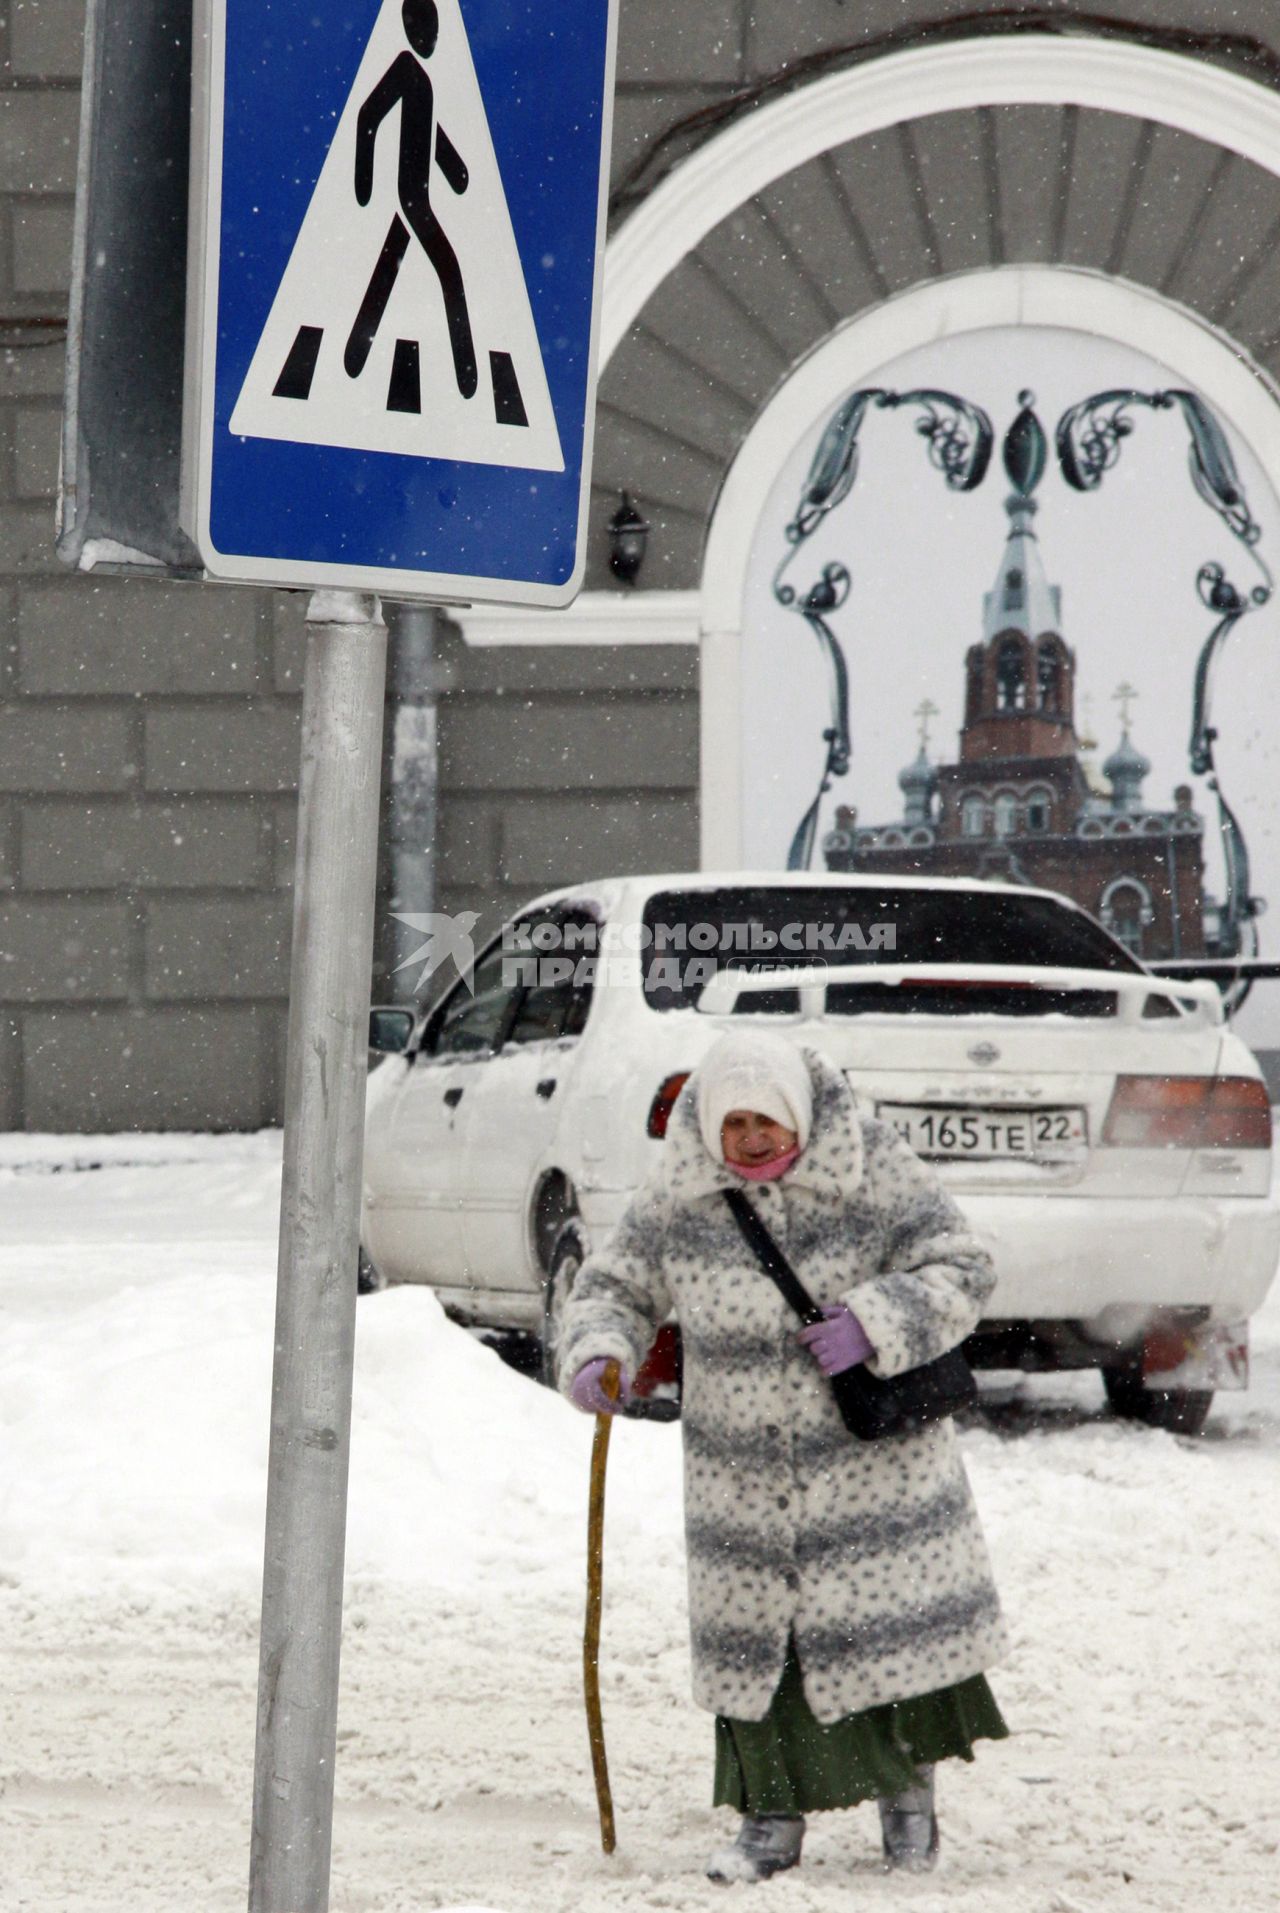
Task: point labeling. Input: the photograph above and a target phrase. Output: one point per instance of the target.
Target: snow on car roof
(593, 889)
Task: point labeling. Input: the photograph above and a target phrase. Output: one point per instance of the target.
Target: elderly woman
(841, 1601)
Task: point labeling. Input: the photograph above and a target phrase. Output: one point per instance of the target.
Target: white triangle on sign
(404, 325)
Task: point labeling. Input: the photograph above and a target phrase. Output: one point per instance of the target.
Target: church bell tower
(1020, 681)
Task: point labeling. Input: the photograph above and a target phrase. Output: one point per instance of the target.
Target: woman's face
(749, 1139)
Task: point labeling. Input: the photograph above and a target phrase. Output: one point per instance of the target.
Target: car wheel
(1182, 1411)
(567, 1257)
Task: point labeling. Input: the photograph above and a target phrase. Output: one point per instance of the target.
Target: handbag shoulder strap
(771, 1258)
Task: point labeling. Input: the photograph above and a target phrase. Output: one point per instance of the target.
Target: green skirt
(790, 1763)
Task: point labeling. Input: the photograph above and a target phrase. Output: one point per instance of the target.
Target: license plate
(1038, 1135)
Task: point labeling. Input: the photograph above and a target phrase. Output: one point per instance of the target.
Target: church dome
(1025, 448)
(1126, 760)
(920, 774)
(1125, 770)
(918, 781)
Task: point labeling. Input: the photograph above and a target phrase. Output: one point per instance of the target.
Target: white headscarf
(753, 1070)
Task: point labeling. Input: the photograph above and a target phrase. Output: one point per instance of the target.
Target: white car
(1105, 1132)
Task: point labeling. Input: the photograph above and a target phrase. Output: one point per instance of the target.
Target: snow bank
(1140, 1574)
(135, 1407)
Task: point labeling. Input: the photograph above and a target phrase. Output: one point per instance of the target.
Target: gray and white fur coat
(870, 1551)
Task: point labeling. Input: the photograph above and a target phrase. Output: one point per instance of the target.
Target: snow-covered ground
(1141, 1574)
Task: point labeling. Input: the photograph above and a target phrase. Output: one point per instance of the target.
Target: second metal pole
(333, 909)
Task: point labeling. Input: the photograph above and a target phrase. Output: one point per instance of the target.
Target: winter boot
(767, 1843)
(909, 1827)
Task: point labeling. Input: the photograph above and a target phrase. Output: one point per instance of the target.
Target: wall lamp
(628, 537)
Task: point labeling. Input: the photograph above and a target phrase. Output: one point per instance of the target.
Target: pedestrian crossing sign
(394, 281)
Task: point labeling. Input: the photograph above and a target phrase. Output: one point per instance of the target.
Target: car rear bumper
(1061, 1257)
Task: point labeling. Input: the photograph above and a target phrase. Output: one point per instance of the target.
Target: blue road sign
(394, 286)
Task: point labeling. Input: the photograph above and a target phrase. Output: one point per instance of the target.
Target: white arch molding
(1197, 97)
(1053, 296)
(1114, 76)
(1119, 76)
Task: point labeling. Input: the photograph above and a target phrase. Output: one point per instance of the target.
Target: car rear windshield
(692, 934)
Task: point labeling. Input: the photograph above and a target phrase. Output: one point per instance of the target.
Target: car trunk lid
(996, 1073)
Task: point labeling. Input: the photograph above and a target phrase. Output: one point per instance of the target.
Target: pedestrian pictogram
(402, 322)
(397, 233)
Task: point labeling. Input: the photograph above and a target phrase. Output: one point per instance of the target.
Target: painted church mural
(1025, 800)
(1109, 743)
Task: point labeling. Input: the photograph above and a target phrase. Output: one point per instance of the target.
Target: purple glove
(586, 1391)
(838, 1343)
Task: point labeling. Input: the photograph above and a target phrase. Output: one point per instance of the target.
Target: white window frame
(1146, 909)
(1004, 806)
(975, 807)
(1039, 795)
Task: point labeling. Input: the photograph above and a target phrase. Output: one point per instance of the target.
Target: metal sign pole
(333, 908)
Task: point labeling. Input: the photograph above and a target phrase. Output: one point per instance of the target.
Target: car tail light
(662, 1105)
(1188, 1112)
(1237, 1115)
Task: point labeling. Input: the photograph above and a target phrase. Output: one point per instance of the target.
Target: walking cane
(611, 1381)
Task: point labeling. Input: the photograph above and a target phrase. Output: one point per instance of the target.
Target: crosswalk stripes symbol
(402, 322)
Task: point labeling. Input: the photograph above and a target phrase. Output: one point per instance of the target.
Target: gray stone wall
(148, 732)
(149, 737)
(145, 934)
(561, 764)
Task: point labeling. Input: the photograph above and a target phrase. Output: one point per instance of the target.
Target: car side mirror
(391, 1031)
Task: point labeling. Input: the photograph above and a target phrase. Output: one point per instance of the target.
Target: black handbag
(870, 1405)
